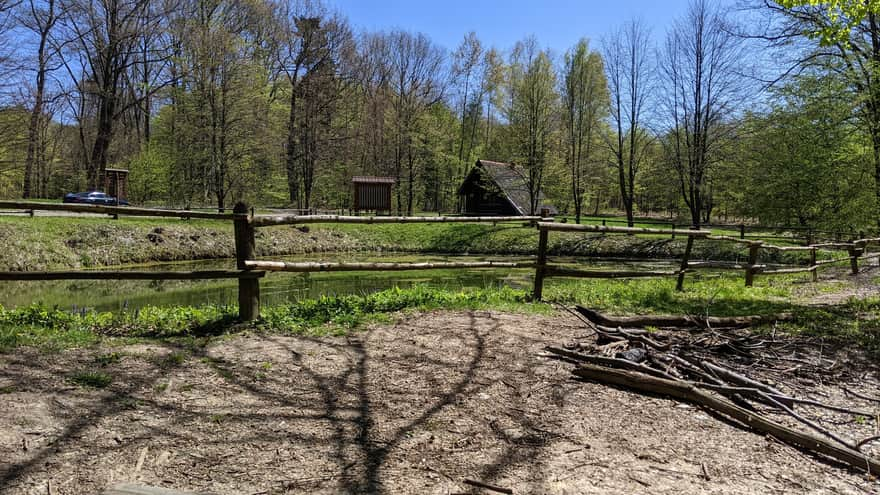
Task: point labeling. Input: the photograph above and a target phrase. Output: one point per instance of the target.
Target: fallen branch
(688, 392)
(680, 321)
(486, 486)
(860, 396)
(735, 377)
(867, 441)
(608, 361)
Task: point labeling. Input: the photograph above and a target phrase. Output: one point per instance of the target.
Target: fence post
(673, 231)
(854, 254)
(541, 267)
(753, 260)
(246, 249)
(742, 231)
(813, 265)
(679, 285)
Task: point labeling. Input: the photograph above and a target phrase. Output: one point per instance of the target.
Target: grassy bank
(54, 243)
(55, 329)
(51, 328)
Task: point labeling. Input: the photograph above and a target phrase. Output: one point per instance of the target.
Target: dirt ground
(412, 407)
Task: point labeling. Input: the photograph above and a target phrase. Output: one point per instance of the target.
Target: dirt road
(413, 407)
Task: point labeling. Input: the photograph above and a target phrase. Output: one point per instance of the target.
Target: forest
(754, 111)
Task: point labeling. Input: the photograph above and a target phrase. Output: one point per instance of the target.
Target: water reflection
(276, 288)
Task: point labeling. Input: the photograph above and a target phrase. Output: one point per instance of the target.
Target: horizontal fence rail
(113, 210)
(573, 227)
(284, 266)
(130, 275)
(269, 220)
(560, 271)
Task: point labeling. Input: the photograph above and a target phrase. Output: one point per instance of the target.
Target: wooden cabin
(496, 188)
(371, 193)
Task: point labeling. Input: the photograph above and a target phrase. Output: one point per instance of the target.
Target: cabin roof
(372, 179)
(510, 179)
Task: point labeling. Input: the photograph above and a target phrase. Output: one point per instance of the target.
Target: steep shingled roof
(511, 180)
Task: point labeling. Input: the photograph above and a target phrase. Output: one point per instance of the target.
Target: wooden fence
(246, 224)
(856, 250)
(249, 270)
(544, 270)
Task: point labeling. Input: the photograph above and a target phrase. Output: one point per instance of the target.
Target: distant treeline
(281, 102)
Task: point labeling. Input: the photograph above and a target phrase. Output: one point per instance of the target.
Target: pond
(275, 288)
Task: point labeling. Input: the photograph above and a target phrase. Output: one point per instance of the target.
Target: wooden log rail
(269, 220)
(283, 266)
(543, 270)
(569, 227)
(112, 210)
(130, 275)
(558, 271)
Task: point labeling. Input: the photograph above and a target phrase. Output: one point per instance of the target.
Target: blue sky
(557, 24)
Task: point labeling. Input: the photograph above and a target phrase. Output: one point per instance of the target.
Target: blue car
(94, 198)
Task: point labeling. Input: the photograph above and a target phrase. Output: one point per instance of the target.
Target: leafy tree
(840, 17)
(848, 32)
(585, 106)
(805, 161)
(531, 112)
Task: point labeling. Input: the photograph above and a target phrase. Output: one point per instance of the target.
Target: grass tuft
(91, 379)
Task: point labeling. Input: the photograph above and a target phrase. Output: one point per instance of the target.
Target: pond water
(275, 288)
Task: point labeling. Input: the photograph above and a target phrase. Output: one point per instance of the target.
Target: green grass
(91, 379)
(55, 329)
(717, 295)
(855, 322)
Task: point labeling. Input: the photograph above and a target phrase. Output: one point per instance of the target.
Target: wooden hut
(115, 181)
(495, 188)
(371, 193)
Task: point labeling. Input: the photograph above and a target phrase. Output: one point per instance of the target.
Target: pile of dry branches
(708, 361)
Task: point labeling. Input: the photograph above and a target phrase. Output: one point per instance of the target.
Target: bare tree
(7, 24)
(703, 87)
(416, 82)
(628, 63)
(106, 36)
(38, 17)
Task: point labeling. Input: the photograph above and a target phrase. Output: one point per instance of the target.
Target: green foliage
(841, 16)
(148, 176)
(716, 295)
(350, 311)
(806, 163)
(108, 359)
(855, 322)
(52, 328)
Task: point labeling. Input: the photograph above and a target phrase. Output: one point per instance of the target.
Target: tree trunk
(292, 172)
(103, 138)
(33, 154)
